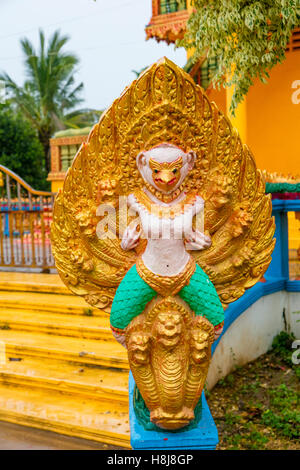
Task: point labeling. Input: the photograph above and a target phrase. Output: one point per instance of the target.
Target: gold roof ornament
(280, 178)
(163, 105)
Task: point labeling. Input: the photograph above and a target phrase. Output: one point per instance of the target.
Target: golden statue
(163, 221)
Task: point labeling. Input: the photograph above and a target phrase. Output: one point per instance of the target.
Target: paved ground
(15, 437)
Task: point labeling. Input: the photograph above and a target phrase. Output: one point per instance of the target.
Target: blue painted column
(203, 437)
(279, 267)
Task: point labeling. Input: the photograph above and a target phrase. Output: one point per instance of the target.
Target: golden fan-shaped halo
(163, 105)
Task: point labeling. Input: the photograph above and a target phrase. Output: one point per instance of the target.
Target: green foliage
(252, 387)
(82, 118)
(49, 95)
(250, 438)
(259, 409)
(256, 440)
(282, 413)
(231, 418)
(20, 149)
(206, 391)
(227, 381)
(248, 37)
(282, 346)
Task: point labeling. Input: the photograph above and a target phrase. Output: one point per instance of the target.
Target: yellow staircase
(60, 367)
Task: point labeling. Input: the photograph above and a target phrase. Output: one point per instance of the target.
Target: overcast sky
(107, 35)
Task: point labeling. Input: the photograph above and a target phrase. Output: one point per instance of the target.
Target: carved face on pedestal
(165, 167)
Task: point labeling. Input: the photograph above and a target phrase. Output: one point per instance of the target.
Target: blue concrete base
(204, 437)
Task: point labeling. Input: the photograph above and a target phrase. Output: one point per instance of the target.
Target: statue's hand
(131, 237)
(197, 240)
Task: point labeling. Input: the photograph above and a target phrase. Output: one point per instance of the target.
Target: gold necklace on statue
(166, 198)
(168, 212)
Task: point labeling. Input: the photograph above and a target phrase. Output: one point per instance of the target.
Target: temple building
(64, 146)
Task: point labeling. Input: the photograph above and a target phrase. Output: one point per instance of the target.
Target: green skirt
(134, 293)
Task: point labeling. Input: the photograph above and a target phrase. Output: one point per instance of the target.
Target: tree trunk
(45, 141)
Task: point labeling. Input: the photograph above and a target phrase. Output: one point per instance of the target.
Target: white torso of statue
(165, 252)
(166, 211)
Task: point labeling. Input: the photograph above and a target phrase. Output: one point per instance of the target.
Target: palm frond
(49, 90)
(82, 118)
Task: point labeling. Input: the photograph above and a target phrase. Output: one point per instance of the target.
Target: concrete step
(60, 368)
(56, 324)
(76, 350)
(40, 302)
(16, 437)
(32, 282)
(72, 416)
(95, 382)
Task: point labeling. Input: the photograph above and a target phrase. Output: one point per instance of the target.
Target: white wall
(293, 313)
(252, 333)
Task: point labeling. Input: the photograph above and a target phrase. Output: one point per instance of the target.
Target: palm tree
(49, 94)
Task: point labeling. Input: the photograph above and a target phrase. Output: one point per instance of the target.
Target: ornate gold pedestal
(169, 355)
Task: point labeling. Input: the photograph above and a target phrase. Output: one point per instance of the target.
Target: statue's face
(165, 167)
(166, 174)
